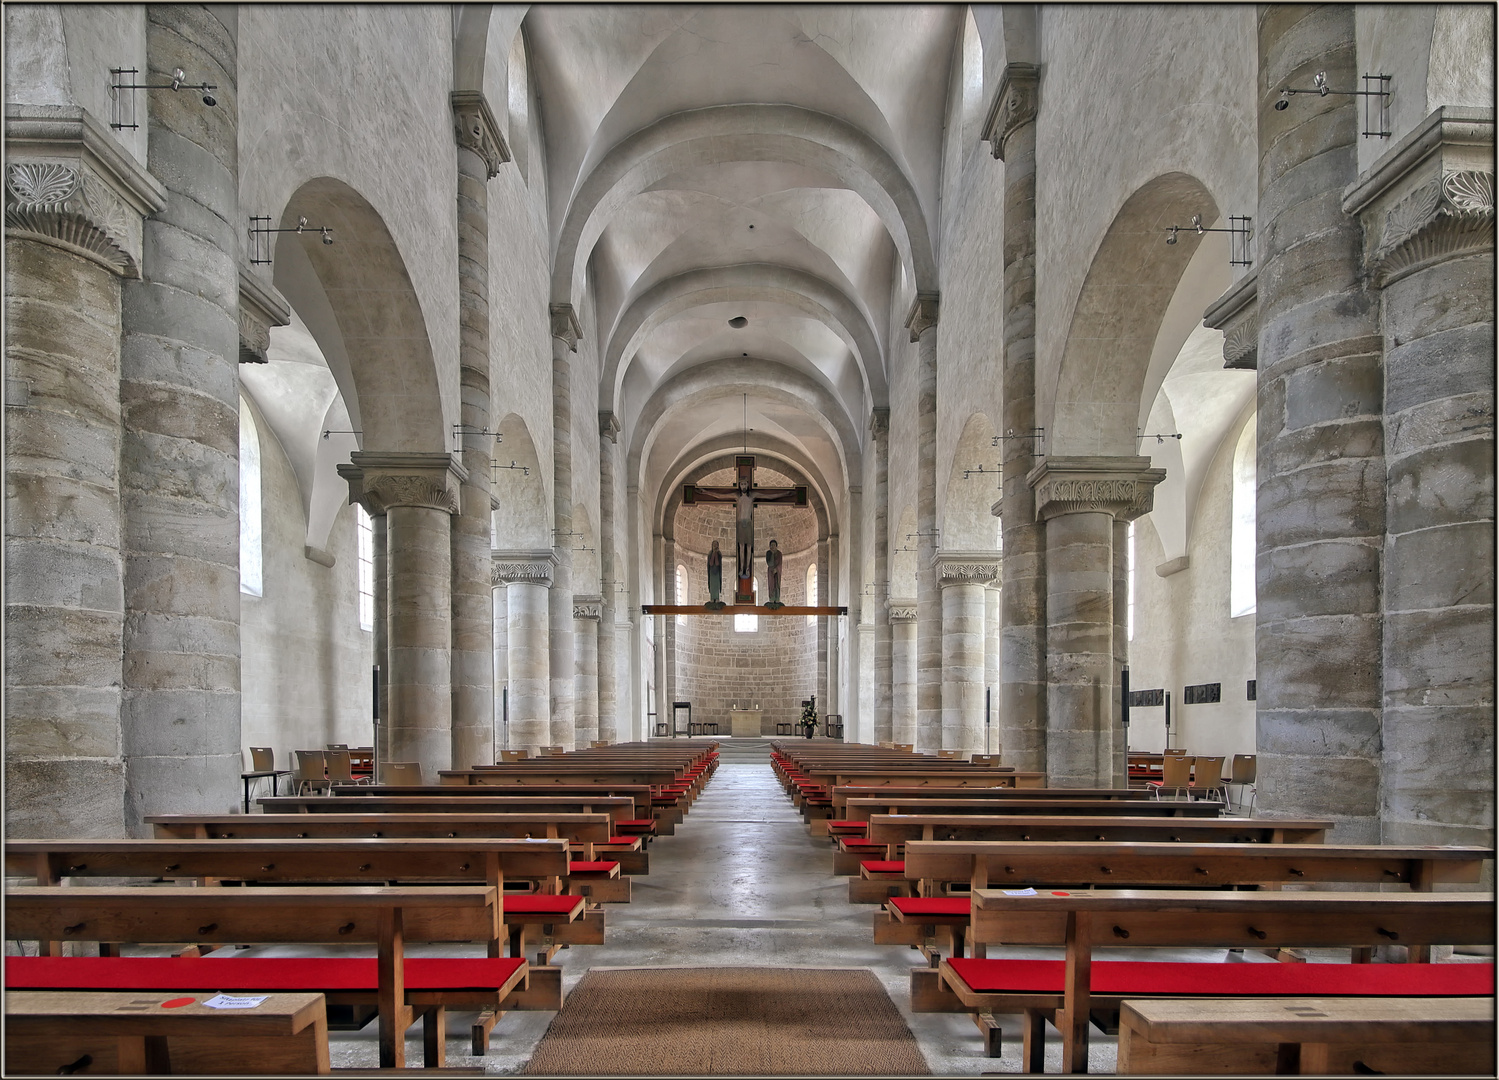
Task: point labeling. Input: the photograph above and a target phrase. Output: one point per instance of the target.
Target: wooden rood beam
(737, 609)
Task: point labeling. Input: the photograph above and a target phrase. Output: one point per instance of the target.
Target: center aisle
(742, 884)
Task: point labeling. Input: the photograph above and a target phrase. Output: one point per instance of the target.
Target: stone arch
(796, 289)
(523, 510)
(360, 306)
(1118, 315)
(746, 132)
(967, 521)
(903, 556)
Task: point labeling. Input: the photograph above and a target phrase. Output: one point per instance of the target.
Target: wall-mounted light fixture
(260, 237)
(330, 431)
(1239, 230)
(525, 469)
(1035, 434)
(1161, 438)
(122, 105)
(460, 430)
(979, 470)
(1376, 94)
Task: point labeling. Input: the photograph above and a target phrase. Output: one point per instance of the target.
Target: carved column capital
(588, 607)
(354, 476)
(1430, 197)
(966, 567)
(410, 479)
(260, 308)
(1121, 486)
(1237, 314)
(476, 129)
(879, 422)
(1015, 104)
(69, 184)
(902, 611)
(524, 567)
(565, 325)
(923, 314)
(608, 426)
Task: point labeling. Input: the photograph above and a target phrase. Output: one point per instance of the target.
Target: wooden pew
(591, 835)
(52, 1033)
(980, 864)
(622, 810)
(1086, 919)
(1310, 1036)
(834, 820)
(387, 917)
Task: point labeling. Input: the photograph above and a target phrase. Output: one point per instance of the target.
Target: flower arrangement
(809, 716)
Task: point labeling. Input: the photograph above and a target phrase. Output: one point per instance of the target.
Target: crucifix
(745, 496)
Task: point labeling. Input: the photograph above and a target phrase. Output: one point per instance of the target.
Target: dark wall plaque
(1140, 699)
(1202, 694)
(1250, 688)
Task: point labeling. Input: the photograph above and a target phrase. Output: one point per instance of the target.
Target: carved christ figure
(745, 497)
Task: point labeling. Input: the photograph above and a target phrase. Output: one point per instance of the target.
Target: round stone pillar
(527, 577)
(501, 664)
(1079, 498)
(963, 577)
(65, 256)
(1427, 209)
(587, 613)
(609, 666)
(179, 400)
(879, 432)
(993, 599)
(565, 334)
(903, 671)
(419, 492)
(856, 727)
(922, 322)
(380, 571)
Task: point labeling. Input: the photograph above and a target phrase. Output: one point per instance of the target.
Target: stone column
(565, 334)
(380, 570)
(1427, 208)
(73, 209)
(963, 577)
(825, 702)
(879, 599)
(419, 493)
(608, 658)
(993, 597)
(481, 152)
(663, 589)
(501, 662)
(1079, 498)
(903, 671)
(587, 614)
(922, 322)
(866, 676)
(666, 628)
(1121, 652)
(527, 577)
(1320, 508)
(179, 458)
(1011, 131)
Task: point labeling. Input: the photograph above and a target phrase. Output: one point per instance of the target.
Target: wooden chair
(263, 760)
(986, 759)
(1176, 773)
(401, 773)
(553, 751)
(1241, 775)
(335, 746)
(512, 755)
(950, 755)
(1207, 777)
(309, 771)
(340, 768)
(909, 748)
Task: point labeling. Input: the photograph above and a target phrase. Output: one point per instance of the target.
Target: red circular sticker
(177, 1003)
(1055, 893)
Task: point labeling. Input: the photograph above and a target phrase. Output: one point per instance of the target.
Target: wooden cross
(745, 496)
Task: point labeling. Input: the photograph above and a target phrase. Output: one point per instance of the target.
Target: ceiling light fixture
(738, 322)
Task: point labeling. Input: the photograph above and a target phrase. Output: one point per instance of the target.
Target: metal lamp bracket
(1240, 233)
(260, 237)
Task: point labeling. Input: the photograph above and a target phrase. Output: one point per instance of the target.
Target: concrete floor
(741, 883)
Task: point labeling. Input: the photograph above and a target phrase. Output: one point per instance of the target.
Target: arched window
(1242, 599)
(812, 592)
(366, 568)
(250, 572)
(1129, 608)
(681, 591)
(748, 624)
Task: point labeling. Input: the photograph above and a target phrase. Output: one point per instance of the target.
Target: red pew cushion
(933, 905)
(597, 866)
(884, 866)
(540, 904)
(277, 974)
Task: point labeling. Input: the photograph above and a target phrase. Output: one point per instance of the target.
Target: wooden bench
(978, 865)
(52, 1033)
(387, 917)
(589, 834)
(1088, 919)
(1311, 1036)
(894, 797)
(622, 811)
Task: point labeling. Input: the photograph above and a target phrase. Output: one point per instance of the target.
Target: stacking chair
(340, 768)
(1207, 780)
(401, 773)
(1176, 773)
(263, 759)
(309, 771)
(986, 759)
(1241, 775)
(950, 755)
(512, 755)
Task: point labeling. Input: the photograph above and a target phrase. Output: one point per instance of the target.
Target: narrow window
(681, 591)
(1129, 608)
(812, 592)
(250, 572)
(748, 624)
(366, 568)
(1242, 597)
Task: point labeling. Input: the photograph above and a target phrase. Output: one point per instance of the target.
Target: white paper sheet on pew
(226, 1001)
(1020, 892)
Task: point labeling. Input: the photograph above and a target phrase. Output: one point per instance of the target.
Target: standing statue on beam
(773, 575)
(715, 579)
(745, 496)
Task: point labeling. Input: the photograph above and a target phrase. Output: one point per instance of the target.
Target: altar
(745, 723)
